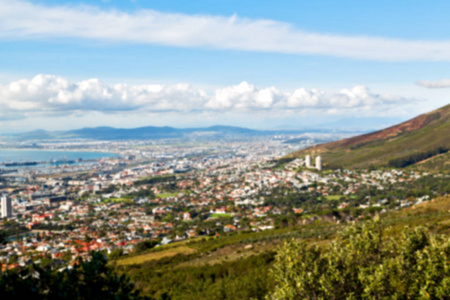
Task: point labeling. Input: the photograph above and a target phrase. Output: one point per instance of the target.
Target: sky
(258, 64)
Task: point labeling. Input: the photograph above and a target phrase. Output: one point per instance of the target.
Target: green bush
(362, 264)
(145, 245)
(87, 280)
(416, 157)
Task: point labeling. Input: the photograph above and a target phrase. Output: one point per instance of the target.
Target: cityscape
(200, 150)
(168, 192)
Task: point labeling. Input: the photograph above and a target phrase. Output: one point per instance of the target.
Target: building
(308, 161)
(55, 199)
(319, 163)
(6, 207)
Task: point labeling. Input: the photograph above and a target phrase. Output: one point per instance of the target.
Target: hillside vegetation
(362, 263)
(255, 265)
(423, 138)
(397, 255)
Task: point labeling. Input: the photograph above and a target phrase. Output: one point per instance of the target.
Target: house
(229, 228)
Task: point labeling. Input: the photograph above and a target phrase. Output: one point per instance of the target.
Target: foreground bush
(87, 280)
(362, 264)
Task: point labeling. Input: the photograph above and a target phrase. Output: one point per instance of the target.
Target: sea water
(28, 155)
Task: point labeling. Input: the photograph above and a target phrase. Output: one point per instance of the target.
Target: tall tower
(308, 161)
(319, 163)
(6, 207)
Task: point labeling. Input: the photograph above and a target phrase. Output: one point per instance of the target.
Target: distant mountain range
(422, 141)
(151, 132)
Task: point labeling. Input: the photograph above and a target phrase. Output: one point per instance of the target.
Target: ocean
(13, 155)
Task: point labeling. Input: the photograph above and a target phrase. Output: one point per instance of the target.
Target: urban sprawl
(155, 193)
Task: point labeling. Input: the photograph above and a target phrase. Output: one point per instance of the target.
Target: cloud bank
(25, 20)
(444, 83)
(54, 96)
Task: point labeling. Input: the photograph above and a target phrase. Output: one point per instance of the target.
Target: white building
(308, 161)
(6, 207)
(319, 163)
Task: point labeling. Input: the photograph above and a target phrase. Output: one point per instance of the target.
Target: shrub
(87, 280)
(361, 264)
(414, 158)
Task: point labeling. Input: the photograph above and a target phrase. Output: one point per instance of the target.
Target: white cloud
(248, 97)
(46, 93)
(54, 95)
(244, 96)
(25, 20)
(444, 83)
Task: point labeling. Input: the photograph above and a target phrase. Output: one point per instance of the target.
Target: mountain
(110, 133)
(151, 132)
(421, 139)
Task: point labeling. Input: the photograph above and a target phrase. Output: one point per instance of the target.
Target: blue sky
(257, 64)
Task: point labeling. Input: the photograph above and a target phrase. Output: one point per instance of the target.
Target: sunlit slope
(419, 139)
(239, 265)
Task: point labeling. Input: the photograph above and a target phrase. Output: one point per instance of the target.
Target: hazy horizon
(350, 124)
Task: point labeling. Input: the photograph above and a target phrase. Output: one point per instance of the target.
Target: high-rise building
(319, 163)
(308, 161)
(6, 207)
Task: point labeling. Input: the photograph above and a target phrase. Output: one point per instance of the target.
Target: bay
(19, 155)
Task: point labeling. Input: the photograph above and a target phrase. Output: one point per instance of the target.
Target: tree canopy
(88, 279)
(364, 264)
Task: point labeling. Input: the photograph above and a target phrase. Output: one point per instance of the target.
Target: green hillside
(241, 266)
(421, 139)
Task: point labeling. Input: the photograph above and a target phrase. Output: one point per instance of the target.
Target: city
(200, 150)
(165, 192)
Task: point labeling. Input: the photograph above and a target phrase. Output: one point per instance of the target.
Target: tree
(67, 256)
(116, 253)
(3, 237)
(87, 238)
(142, 246)
(362, 264)
(87, 280)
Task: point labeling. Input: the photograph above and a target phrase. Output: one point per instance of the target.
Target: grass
(215, 216)
(440, 162)
(433, 214)
(212, 250)
(172, 251)
(231, 253)
(334, 197)
(116, 200)
(166, 195)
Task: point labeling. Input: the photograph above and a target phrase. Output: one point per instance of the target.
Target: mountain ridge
(418, 137)
(151, 132)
